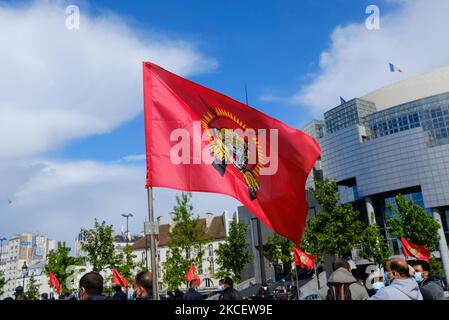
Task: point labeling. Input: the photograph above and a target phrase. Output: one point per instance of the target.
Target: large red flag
(191, 274)
(54, 283)
(117, 278)
(303, 260)
(200, 140)
(414, 250)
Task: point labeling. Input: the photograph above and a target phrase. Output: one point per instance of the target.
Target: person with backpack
(342, 285)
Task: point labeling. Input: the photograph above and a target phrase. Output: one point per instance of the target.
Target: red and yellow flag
(303, 260)
(415, 251)
(200, 140)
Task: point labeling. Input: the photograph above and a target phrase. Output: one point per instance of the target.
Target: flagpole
(297, 283)
(151, 230)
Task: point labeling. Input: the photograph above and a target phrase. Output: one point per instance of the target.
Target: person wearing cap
(19, 294)
(229, 293)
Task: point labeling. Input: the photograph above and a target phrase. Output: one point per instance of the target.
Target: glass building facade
(375, 155)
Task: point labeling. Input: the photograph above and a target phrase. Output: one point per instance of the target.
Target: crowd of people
(400, 281)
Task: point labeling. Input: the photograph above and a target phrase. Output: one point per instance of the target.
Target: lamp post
(24, 273)
(127, 216)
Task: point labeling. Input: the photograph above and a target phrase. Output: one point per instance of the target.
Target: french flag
(393, 68)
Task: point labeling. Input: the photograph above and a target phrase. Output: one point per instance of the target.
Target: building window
(211, 250)
(211, 266)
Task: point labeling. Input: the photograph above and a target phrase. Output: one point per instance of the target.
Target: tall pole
(152, 232)
(297, 283)
(263, 275)
(127, 229)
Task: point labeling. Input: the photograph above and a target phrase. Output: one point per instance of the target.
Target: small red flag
(117, 278)
(191, 274)
(414, 250)
(54, 283)
(198, 139)
(303, 260)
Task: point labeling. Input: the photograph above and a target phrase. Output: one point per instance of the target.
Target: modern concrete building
(393, 140)
(29, 248)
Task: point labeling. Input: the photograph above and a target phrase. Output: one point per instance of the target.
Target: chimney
(172, 216)
(159, 220)
(209, 217)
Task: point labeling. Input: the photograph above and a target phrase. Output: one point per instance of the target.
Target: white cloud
(60, 197)
(134, 157)
(356, 63)
(59, 84)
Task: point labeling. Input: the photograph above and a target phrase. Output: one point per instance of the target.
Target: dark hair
(228, 281)
(400, 268)
(92, 282)
(145, 280)
(341, 263)
(424, 264)
(117, 288)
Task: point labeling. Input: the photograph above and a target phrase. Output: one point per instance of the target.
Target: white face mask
(378, 285)
(220, 287)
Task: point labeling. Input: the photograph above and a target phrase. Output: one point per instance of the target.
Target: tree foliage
(99, 246)
(336, 228)
(374, 245)
(3, 281)
(278, 249)
(32, 292)
(187, 239)
(57, 262)
(126, 265)
(232, 255)
(411, 222)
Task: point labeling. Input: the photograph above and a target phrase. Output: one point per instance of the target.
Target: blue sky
(71, 103)
(272, 46)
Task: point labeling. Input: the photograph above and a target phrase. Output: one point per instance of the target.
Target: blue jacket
(406, 289)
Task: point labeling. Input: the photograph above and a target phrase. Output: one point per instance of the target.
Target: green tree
(187, 239)
(436, 269)
(126, 265)
(278, 249)
(232, 255)
(57, 262)
(32, 292)
(374, 245)
(3, 281)
(336, 228)
(99, 246)
(411, 222)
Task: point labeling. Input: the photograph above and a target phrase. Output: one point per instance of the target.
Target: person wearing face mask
(143, 286)
(229, 293)
(431, 288)
(402, 286)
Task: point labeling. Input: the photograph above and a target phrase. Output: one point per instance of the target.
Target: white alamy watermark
(372, 22)
(72, 20)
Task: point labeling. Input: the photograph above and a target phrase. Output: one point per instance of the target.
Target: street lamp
(24, 273)
(127, 216)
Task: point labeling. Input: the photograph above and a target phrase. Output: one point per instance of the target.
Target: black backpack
(339, 291)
